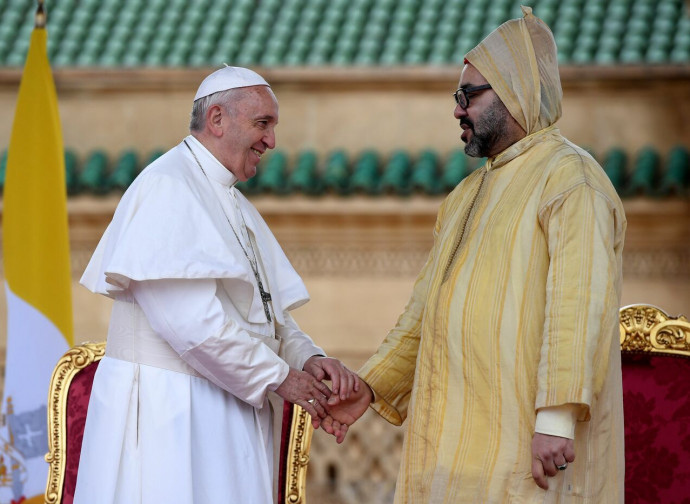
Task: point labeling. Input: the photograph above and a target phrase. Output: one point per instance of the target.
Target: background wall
(355, 109)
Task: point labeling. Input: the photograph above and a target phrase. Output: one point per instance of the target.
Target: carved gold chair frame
(79, 357)
(76, 359)
(649, 329)
(298, 457)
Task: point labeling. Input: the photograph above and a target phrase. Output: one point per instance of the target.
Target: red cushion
(284, 446)
(77, 405)
(657, 429)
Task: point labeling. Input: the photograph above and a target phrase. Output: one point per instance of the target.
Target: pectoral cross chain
(265, 297)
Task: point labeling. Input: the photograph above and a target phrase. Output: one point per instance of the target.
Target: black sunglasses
(462, 94)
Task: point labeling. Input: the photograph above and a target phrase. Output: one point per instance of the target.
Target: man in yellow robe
(506, 361)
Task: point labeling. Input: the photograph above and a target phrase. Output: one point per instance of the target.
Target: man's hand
(302, 388)
(548, 453)
(343, 381)
(342, 414)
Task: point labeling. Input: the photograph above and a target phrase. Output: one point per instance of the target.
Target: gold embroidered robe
(516, 309)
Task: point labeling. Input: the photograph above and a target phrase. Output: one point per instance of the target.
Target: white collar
(211, 166)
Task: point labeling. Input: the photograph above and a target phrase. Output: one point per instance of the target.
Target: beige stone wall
(359, 258)
(355, 109)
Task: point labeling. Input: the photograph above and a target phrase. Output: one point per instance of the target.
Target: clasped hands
(333, 409)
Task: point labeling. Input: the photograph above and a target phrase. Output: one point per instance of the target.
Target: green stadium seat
(656, 55)
(71, 172)
(638, 26)
(670, 10)
(93, 176)
(336, 173)
(682, 40)
(676, 176)
(125, 171)
(644, 174)
(590, 27)
(609, 43)
(365, 173)
(643, 11)
(391, 58)
(456, 169)
(618, 11)
(272, 174)
(614, 166)
(3, 167)
(631, 55)
(584, 49)
(339, 32)
(304, 176)
(593, 10)
(605, 57)
(680, 55)
(396, 174)
(425, 173)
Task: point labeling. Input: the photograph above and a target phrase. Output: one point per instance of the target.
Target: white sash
(131, 338)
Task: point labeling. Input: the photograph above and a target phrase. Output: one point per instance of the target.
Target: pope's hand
(549, 455)
(343, 381)
(311, 394)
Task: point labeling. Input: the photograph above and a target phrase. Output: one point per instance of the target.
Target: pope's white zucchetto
(229, 78)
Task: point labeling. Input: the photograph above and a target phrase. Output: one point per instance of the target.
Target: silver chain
(265, 296)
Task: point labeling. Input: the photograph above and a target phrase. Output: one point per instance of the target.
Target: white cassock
(179, 410)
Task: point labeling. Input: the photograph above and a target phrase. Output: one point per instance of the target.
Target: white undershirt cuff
(557, 421)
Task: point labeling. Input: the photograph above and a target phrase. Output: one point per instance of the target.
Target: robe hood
(519, 60)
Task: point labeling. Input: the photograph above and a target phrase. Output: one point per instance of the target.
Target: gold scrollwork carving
(301, 432)
(68, 366)
(648, 329)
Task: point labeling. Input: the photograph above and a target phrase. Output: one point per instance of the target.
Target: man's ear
(214, 120)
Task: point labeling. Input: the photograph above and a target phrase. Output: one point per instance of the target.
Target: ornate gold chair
(294, 454)
(68, 400)
(655, 352)
(70, 388)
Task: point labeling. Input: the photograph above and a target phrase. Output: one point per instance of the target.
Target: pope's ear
(214, 120)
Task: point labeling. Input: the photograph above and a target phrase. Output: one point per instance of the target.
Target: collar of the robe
(250, 306)
(192, 242)
(212, 167)
(520, 147)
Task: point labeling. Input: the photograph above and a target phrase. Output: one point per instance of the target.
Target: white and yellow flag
(37, 275)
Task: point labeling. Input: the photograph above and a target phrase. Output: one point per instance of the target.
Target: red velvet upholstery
(284, 446)
(77, 405)
(657, 429)
(70, 390)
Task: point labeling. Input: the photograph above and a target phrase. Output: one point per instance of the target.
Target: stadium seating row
(399, 173)
(160, 33)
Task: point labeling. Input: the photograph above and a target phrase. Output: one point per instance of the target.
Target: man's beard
(488, 130)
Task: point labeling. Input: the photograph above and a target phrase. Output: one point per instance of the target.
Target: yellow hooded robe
(516, 309)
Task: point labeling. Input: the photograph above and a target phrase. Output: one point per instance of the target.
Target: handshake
(334, 410)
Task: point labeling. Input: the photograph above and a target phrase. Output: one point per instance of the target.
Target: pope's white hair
(225, 98)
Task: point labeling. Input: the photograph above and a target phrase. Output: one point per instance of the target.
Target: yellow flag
(37, 275)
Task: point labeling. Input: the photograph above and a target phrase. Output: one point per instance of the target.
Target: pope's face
(484, 121)
(249, 130)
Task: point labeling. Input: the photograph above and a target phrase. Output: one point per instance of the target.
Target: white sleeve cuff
(557, 421)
